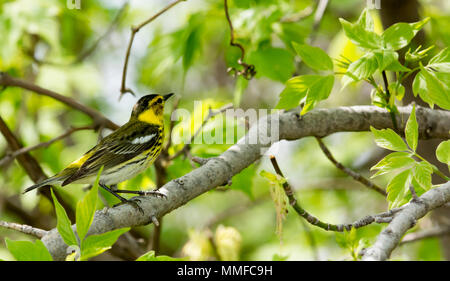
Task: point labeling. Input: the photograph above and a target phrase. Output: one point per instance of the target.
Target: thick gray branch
(390, 237)
(218, 171)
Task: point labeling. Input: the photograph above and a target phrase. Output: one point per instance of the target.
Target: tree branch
(23, 150)
(248, 70)
(134, 30)
(424, 234)
(98, 118)
(36, 232)
(390, 237)
(91, 49)
(379, 218)
(348, 171)
(218, 170)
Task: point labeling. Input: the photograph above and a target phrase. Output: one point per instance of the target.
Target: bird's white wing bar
(143, 139)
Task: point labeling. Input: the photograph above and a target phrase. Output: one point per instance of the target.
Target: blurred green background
(187, 51)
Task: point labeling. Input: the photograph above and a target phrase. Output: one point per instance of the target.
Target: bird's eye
(158, 101)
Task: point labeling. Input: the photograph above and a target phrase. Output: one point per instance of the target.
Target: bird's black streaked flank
(124, 153)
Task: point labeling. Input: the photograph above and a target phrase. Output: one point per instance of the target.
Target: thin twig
(97, 117)
(36, 232)
(378, 218)
(425, 234)
(348, 171)
(89, 51)
(134, 30)
(248, 70)
(318, 14)
(23, 150)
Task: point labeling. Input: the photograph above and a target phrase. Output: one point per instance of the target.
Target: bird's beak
(166, 97)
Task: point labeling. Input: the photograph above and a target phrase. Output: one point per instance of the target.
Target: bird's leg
(122, 199)
(143, 193)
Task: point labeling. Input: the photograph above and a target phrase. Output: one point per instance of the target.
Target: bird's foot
(144, 193)
(133, 202)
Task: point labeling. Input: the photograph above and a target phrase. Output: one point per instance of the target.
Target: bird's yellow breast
(150, 117)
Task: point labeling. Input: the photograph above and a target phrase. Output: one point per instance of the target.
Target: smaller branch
(425, 234)
(23, 150)
(97, 117)
(390, 237)
(435, 169)
(36, 232)
(89, 51)
(248, 70)
(318, 14)
(111, 27)
(134, 30)
(378, 218)
(308, 11)
(348, 171)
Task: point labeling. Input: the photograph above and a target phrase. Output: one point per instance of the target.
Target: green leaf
(314, 57)
(273, 178)
(192, 42)
(398, 188)
(274, 63)
(86, 209)
(150, 256)
(317, 92)
(397, 89)
(361, 33)
(432, 88)
(422, 174)
(443, 152)
(393, 162)
(192, 45)
(313, 87)
(419, 24)
(295, 90)
(96, 244)
(397, 36)
(420, 88)
(396, 66)
(412, 130)
(388, 139)
(364, 67)
(441, 61)
(63, 224)
(28, 251)
(385, 58)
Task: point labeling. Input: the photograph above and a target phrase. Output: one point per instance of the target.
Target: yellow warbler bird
(124, 153)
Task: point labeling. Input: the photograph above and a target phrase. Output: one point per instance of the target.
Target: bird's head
(150, 109)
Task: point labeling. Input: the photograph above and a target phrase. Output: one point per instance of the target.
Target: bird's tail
(52, 180)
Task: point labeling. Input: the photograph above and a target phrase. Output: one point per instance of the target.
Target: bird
(123, 154)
